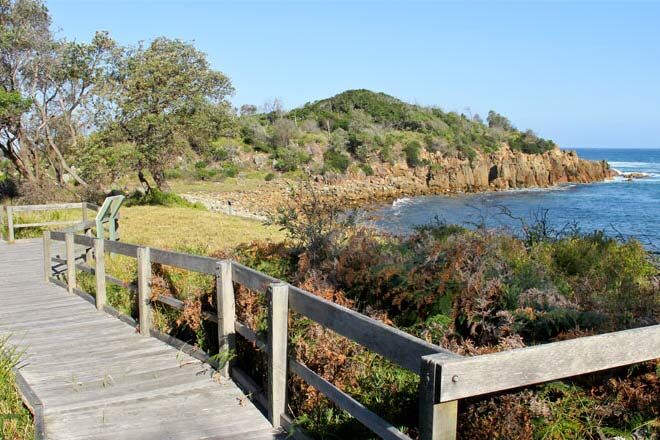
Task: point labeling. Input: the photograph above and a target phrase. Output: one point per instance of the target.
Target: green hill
(362, 128)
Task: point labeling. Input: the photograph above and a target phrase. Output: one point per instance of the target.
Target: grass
(41, 217)
(251, 182)
(15, 419)
(188, 229)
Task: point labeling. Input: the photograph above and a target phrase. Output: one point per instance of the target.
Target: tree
(284, 130)
(248, 110)
(47, 89)
(495, 120)
(166, 93)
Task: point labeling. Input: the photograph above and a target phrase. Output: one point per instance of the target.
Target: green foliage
(230, 170)
(336, 160)
(290, 159)
(366, 169)
(219, 153)
(382, 108)
(270, 176)
(166, 98)
(16, 422)
(495, 120)
(12, 105)
(156, 197)
(528, 142)
(412, 151)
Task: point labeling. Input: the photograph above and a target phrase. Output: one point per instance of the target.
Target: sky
(585, 74)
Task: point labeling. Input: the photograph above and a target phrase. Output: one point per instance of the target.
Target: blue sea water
(618, 207)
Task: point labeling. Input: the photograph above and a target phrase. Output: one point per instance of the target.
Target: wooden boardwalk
(87, 375)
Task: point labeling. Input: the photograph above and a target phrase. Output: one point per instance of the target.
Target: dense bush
(412, 151)
(530, 143)
(336, 160)
(289, 159)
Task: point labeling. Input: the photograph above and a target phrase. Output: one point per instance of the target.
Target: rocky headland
(503, 169)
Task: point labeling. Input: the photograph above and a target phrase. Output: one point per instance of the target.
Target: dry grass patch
(229, 184)
(184, 228)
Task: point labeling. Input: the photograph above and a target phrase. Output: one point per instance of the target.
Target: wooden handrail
(76, 225)
(445, 377)
(477, 375)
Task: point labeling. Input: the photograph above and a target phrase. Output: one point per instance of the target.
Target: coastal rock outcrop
(507, 169)
(500, 170)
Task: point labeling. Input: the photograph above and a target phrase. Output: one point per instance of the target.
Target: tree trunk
(159, 178)
(18, 162)
(144, 181)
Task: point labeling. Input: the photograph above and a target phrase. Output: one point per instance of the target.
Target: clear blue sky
(585, 74)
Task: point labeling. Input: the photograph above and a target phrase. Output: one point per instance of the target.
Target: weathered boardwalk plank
(95, 377)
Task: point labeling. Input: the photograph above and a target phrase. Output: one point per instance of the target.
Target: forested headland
(80, 119)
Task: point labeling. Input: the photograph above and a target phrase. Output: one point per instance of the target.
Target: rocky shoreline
(504, 169)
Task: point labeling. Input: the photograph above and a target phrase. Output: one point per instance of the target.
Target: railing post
(84, 211)
(144, 290)
(278, 312)
(226, 312)
(70, 262)
(2, 223)
(47, 258)
(88, 252)
(437, 421)
(99, 270)
(10, 224)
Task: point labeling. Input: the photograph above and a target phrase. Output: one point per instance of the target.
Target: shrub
(204, 173)
(412, 151)
(218, 153)
(230, 170)
(269, 177)
(160, 198)
(173, 173)
(336, 160)
(316, 224)
(290, 159)
(366, 169)
(528, 142)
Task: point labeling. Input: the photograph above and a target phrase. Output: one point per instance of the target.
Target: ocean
(619, 207)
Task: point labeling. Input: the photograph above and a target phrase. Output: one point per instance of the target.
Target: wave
(400, 203)
(634, 164)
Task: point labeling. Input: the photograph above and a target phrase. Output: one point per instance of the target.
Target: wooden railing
(448, 380)
(105, 216)
(445, 377)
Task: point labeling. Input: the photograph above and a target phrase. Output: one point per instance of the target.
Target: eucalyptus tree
(48, 90)
(167, 98)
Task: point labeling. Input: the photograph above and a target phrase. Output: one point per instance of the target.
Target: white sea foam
(400, 203)
(633, 164)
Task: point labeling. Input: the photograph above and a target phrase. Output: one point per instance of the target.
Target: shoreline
(243, 203)
(502, 170)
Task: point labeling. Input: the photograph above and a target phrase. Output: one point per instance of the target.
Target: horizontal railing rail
(446, 380)
(399, 347)
(473, 376)
(84, 222)
(445, 377)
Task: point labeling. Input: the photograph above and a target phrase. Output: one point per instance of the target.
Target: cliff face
(507, 169)
(500, 170)
(503, 169)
